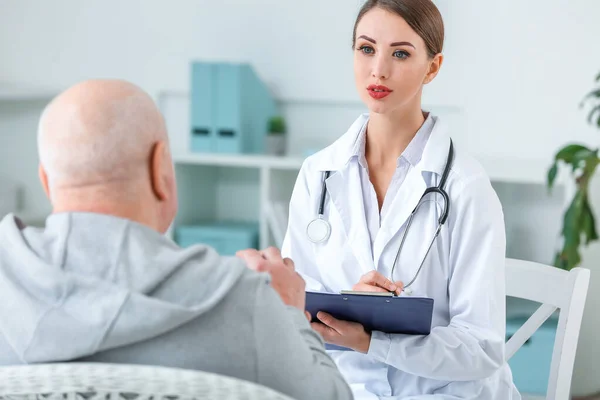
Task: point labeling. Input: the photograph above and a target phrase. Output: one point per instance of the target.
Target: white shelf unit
(263, 170)
(235, 187)
(242, 161)
(274, 177)
(500, 170)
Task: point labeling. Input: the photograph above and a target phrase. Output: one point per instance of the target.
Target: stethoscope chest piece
(318, 230)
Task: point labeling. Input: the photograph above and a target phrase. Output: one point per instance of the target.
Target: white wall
(18, 156)
(516, 70)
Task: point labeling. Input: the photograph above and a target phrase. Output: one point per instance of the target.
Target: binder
(388, 314)
(201, 107)
(230, 109)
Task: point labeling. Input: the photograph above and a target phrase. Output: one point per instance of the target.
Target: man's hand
(342, 333)
(284, 279)
(375, 282)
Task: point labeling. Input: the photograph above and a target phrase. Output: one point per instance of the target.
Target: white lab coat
(463, 357)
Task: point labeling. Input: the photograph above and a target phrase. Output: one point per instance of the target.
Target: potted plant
(275, 144)
(578, 221)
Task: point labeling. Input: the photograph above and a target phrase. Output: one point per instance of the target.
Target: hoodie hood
(91, 282)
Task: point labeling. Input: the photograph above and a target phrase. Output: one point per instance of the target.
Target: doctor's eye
(366, 49)
(401, 54)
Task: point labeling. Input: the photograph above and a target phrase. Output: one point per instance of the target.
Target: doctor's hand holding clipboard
(352, 335)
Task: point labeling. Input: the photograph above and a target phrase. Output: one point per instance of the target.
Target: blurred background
(250, 88)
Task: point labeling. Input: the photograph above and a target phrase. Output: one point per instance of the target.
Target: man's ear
(158, 171)
(434, 67)
(44, 180)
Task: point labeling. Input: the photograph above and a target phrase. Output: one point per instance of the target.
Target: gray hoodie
(91, 287)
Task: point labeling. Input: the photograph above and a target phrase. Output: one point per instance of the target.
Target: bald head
(103, 147)
(98, 132)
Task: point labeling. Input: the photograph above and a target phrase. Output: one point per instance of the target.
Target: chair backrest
(96, 381)
(555, 289)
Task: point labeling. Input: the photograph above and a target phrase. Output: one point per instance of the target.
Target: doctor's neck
(389, 134)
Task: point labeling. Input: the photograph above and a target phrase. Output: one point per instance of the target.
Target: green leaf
(571, 226)
(598, 78)
(587, 159)
(572, 256)
(568, 152)
(589, 223)
(277, 125)
(567, 259)
(579, 222)
(590, 165)
(561, 260)
(593, 111)
(552, 172)
(592, 94)
(577, 156)
(558, 261)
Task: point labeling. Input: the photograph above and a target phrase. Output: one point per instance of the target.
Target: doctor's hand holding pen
(350, 334)
(375, 282)
(284, 279)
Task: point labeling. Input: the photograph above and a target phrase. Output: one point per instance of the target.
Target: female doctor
(352, 225)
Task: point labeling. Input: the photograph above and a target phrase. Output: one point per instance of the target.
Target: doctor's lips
(379, 91)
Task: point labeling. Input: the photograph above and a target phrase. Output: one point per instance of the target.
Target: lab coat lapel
(413, 187)
(404, 203)
(345, 190)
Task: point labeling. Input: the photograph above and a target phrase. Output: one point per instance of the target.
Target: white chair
(96, 381)
(555, 289)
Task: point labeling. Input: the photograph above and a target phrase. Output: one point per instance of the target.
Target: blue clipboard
(407, 315)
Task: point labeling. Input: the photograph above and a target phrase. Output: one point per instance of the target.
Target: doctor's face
(391, 62)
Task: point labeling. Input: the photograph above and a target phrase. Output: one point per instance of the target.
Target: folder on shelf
(230, 109)
(201, 107)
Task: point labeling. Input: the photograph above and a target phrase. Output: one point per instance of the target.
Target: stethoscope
(319, 229)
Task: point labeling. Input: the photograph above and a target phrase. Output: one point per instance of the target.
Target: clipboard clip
(380, 294)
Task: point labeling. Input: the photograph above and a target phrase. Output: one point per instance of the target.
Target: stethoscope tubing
(439, 189)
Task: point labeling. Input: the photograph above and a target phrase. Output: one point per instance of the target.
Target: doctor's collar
(339, 154)
(413, 152)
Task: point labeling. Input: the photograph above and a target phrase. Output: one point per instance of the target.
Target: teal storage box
(225, 237)
(531, 364)
(230, 109)
(201, 113)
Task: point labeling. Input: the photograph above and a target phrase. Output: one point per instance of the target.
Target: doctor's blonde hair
(421, 15)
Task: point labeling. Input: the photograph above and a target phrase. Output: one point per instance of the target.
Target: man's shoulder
(228, 272)
(250, 282)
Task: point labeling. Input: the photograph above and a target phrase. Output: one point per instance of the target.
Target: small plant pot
(275, 144)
